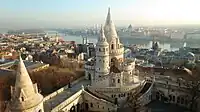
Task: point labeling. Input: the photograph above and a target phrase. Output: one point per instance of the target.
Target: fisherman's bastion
(112, 83)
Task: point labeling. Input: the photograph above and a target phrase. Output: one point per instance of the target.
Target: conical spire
(102, 39)
(109, 28)
(102, 35)
(23, 81)
(24, 96)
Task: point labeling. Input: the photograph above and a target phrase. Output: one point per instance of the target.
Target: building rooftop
(28, 64)
(4, 72)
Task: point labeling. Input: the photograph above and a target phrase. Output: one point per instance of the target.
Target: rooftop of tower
(109, 28)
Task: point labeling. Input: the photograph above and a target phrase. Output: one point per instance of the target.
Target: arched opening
(114, 61)
(157, 96)
(118, 80)
(22, 98)
(182, 100)
(173, 99)
(178, 100)
(112, 46)
(89, 76)
(40, 110)
(86, 106)
(91, 104)
(78, 107)
(116, 102)
(170, 98)
(73, 109)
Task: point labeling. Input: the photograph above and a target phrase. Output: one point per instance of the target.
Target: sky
(76, 13)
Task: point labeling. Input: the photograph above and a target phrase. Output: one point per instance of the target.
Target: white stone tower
(102, 56)
(24, 95)
(115, 47)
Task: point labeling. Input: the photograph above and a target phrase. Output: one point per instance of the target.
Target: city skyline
(66, 13)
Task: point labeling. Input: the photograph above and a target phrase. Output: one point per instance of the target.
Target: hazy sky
(68, 13)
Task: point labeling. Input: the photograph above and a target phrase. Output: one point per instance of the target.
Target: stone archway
(160, 96)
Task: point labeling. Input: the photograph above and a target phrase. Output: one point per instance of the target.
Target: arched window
(186, 102)
(118, 81)
(91, 105)
(182, 101)
(22, 98)
(112, 46)
(113, 80)
(178, 99)
(173, 98)
(40, 110)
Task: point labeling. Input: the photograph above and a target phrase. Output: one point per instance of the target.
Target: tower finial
(108, 19)
(102, 36)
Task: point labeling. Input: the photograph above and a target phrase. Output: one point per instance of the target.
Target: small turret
(102, 55)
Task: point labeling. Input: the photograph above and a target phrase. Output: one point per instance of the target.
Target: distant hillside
(26, 31)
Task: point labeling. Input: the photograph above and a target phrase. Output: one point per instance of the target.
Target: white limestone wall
(99, 105)
(174, 93)
(117, 53)
(146, 97)
(102, 60)
(101, 82)
(38, 108)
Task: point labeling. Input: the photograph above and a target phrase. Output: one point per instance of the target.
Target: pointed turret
(102, 55)
(102, 37)
(116, 49)
(109, 28)
(24, 95)
(22, 79)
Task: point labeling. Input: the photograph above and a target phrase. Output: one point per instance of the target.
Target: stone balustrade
(89, 67)
(117, 51)
(62, 89)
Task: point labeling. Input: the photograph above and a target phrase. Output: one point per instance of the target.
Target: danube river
(124, 40)
(146, 43)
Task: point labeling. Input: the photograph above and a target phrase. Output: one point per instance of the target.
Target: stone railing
(117, 51)
(116, 89)
(102, 78)
(89, 67)
(107, 102)
(100, 94)
(6, 65)
(62, 89)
